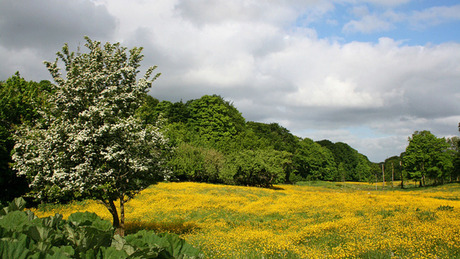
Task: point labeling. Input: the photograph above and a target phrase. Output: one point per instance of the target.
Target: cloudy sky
(365, 72)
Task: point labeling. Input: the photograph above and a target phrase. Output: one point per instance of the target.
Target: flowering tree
(90, 142)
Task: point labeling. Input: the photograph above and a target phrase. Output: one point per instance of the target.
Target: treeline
(211, 141)
(214, 143)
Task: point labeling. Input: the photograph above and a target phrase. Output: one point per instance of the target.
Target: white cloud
(250, 53)
(434, 16)
(332, 92)
(368, 24)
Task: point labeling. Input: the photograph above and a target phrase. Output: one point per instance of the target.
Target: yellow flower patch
(297, 221)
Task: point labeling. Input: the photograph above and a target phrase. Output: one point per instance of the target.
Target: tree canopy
(427, 156)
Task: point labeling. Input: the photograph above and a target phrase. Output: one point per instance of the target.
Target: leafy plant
(83, 235)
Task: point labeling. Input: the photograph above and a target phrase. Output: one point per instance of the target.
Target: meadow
(313, 220)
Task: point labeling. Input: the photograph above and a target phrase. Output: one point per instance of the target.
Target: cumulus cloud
(267, 59)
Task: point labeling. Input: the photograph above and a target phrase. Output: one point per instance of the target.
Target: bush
(261, 168)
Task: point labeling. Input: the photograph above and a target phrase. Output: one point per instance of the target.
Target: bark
(119, 228)
(122, 217)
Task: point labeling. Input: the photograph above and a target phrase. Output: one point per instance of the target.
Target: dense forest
(212, 142)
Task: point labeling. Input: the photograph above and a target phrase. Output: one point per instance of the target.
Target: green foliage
(427, 156)
(198, 164)
(146, 112)
(454, 151)
(214, 120)
(210, 136)
(274, 135)
(263, 167)
(166, 245)
(20, 102)
(351, 165)
(83, 235)
(314, 162)
(393, 167)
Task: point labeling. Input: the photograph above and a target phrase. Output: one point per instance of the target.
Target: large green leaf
(112, 253)
(16, 221)
(14, 249)
(90, 219)
(60, 252)
(167, 245)
(54, 222)
(178, 248)
(86, 231)
(119, 243)
(147, 244)
(17, 204)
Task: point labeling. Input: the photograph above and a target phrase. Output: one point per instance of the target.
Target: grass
(311, 220)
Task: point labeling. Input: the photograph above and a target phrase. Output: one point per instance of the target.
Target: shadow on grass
(176, 227)
(276, 188)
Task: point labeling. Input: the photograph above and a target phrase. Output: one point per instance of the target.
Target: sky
(365, 72)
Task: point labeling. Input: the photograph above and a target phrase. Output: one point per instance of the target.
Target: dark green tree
(454, 150)
(426, 156)
(20, 101)
(314, 162)
(362, 171)
(351, 165)
(215, 121)
(274, 135)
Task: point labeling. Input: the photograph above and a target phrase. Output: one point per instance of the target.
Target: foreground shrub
(82, 235)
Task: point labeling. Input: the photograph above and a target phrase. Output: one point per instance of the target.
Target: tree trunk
(402, 180)
(122, 217)
(119, 229)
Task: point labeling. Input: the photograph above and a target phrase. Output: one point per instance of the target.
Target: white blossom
(91, 139)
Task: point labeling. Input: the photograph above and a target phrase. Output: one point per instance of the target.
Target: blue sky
(415, 23)
(365, 72)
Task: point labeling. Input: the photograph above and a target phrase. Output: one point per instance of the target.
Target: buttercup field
(323, 220)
